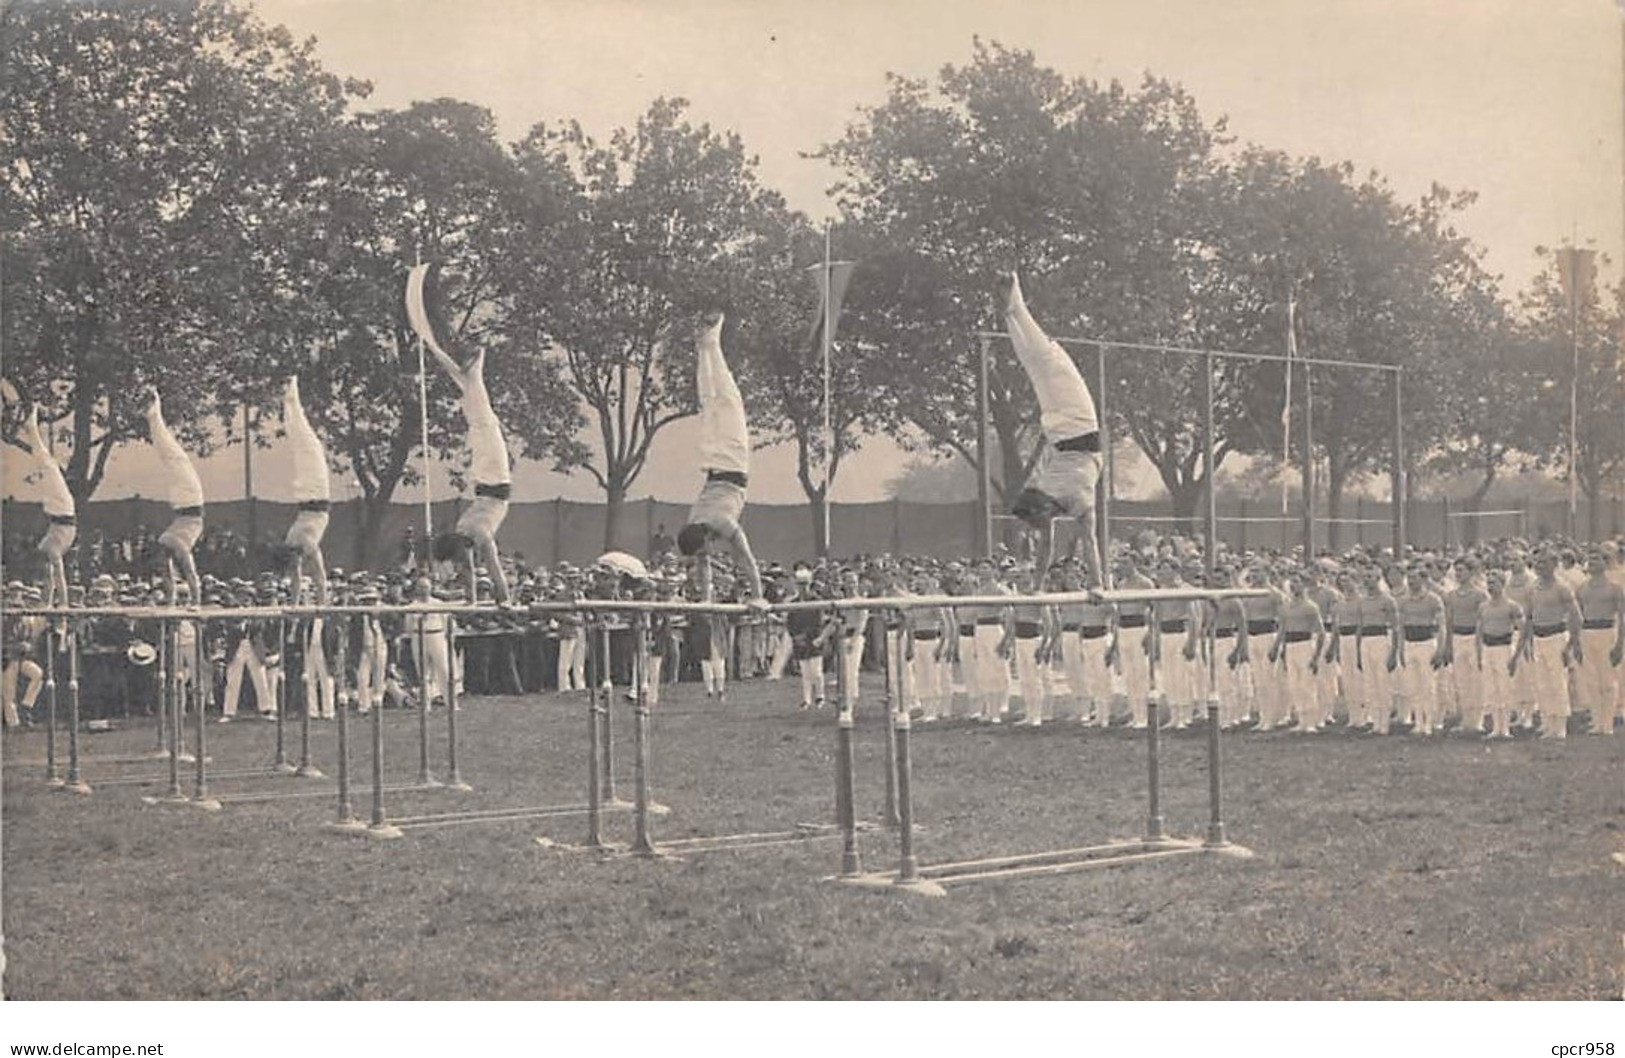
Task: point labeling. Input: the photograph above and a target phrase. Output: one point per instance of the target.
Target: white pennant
(417, 313)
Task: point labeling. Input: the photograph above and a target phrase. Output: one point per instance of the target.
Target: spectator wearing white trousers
(989, 679)
(1464, 680)
(320, 684)
(371, 659)
(1024, 642)
(1295, 655)
(849, 647)
(248, 658)
(926, 653)
(1228, 640)
(1173, 648)
(1133, 642)
(1380, 632)
(1551, 638)
(1084, 633)
(1602, 633)
(572, 663)
(1343, 652)
(23, 639)
(427, 635)
(1423, 645)
(1500, 623)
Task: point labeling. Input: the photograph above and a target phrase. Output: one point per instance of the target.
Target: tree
(1494, 418)
(1093, 192)
(664, 212)
(775, 297)
(1556, 343)
(141, 134)
(1374, 280)
(430, 182)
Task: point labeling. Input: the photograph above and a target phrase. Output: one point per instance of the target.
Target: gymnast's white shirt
(724, 435)
(185, 488)
(1066, 408)
(309, 458)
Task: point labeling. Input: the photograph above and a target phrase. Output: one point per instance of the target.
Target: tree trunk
(816, 505)
(614, 507)
(369, 530)
(1475, 502)
(1185, 496)
(1336, 482)
(815, 496)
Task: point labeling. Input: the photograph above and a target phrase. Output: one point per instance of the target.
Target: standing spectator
(660, 544)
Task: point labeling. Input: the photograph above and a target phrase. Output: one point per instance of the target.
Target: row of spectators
(513, 650)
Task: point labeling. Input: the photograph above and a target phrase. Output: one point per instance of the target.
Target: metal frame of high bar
(1220, 354)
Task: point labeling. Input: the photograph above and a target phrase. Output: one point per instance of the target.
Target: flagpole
(829, 419)
(423, 432)
(1286, 407)
(1575, 288)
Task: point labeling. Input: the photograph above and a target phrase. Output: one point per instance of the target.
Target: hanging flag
(832, 278)
(1286, 405)
(417, 309)
(1577, 271)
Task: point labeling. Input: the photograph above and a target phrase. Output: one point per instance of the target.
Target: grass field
(1393, 868)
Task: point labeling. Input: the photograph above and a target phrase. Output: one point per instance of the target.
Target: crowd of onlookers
(1092, 664)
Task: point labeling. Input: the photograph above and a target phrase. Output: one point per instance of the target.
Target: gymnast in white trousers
(724, 454)
(57, 498)
(1070, 466)
(312, 491)
(474, 540)
(185, 492)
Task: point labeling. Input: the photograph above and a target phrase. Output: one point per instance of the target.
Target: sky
(1522, 102)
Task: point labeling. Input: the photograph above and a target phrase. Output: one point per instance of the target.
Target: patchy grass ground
(1387, 868)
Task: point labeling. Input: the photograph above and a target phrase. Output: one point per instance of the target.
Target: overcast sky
(1520, 101)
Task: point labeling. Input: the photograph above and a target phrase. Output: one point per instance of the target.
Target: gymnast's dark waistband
(1348, 630)
(1131, 620)
(926, 633)
(990, 620)
(1092, 632)
(1595, 623)
(62, 519)
(1458, 630)
(315, 506)
(1296, 637)
(1549, 630)
(1497, 639)
(1419, 634)
(1028, 629)
(189, 512)
(1088, 442)
(495, 492)
(732, 477)
(1373, 630)
(1172, 627)
(1259, 628)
